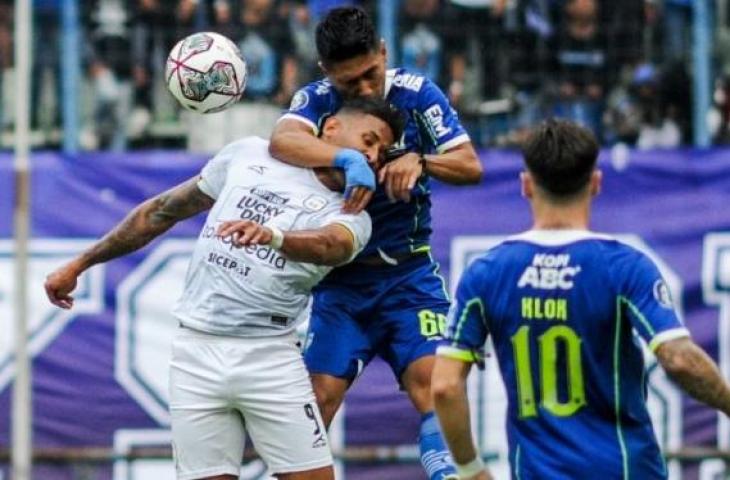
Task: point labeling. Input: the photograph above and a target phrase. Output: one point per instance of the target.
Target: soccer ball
(206, 72)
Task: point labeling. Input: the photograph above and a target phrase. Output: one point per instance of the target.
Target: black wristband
(422, 162)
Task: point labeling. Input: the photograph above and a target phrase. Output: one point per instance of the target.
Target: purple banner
(97, 379)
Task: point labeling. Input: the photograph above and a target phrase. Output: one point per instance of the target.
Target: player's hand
(245, 232)
(60, 284)
(483, 475)
(357, 200)
(359, 179)
(400, 176)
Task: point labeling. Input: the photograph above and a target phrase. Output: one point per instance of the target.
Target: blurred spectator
(265, 42)
(46, 82)
(261, 30)
(6, 55)
(677, 15)
(478, 32)
(641, 114)
(110, 71)
(581, 64)
(302, 25)
(153, 34)
(421, 43)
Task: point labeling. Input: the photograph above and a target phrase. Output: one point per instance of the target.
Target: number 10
(548, 354)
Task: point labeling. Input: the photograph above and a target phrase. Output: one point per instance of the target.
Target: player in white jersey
(273, 232)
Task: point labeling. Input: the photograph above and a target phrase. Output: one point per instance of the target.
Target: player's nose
(365, 89)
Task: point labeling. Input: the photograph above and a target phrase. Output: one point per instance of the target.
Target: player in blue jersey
(390, 301)
(563, 305)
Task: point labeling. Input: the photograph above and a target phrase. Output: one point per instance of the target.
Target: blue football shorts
(397, 312)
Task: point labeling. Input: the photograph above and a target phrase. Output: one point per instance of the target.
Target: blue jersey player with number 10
(390, 301)
(563, 305)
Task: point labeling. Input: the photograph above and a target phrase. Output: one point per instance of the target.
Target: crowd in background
(618, 66)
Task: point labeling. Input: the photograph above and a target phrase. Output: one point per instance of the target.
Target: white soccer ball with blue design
(206, 72)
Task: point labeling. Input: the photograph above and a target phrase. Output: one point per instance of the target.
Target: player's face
(370, 135)
(360, 76)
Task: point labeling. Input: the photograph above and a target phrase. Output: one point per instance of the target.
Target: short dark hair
(561, 156)
(379, 108)
(345, 33)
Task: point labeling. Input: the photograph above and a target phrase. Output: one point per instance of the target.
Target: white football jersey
(256, 290)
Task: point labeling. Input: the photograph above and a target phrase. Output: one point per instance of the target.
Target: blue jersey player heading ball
(390, 301)
(562, 305)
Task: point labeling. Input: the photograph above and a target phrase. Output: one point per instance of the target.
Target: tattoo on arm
(695, 372)
(149, 220)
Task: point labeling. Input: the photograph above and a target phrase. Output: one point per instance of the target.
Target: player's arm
(333, 244)
(458, 166)
(695, 372)
(650, 309)
(147, 221)
(294, 141)
(463, 346)
(448, 387)
(456, 162)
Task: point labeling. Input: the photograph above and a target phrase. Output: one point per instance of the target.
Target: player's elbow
(277, 144)
(679, 357)
(444, 389)
(475, 173)
(334, 251)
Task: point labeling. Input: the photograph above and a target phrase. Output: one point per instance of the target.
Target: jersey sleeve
(466, 330)
(311, 104)
(440, 119)
(359, 226)
(646, 300)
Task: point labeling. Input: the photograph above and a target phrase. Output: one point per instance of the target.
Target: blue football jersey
(431, 126)
(563, 309)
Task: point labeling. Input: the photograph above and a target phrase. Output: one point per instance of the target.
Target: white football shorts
(223, 387)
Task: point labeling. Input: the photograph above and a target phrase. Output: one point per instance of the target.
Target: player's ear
(331, 127)
(596, 181)
(526, 187)
(383, 51)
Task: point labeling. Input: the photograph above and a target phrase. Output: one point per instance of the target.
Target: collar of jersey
(557, 237)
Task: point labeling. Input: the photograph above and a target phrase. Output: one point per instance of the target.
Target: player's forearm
(314, 246)
(696, 373)
(452, 408)
(147, 221)
(301, 148)
(139, 228)
(460, 166)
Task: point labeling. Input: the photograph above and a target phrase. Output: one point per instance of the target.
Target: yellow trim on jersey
(454, 353)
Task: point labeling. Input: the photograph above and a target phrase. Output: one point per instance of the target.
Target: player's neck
(548, 216)
(332, 178)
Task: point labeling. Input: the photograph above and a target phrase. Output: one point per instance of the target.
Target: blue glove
(357, 171)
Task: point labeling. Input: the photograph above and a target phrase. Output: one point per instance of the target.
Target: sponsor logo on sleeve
(435, 118)
(300, 100)
(662, 295)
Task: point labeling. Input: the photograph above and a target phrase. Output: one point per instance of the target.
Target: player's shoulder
(317, 88)
(247, 144)
(245, 149)
(404, 79)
